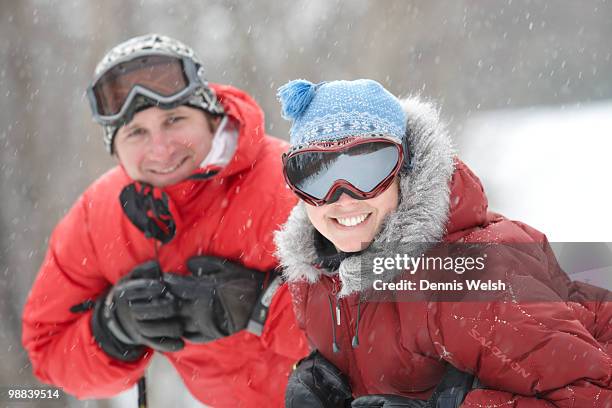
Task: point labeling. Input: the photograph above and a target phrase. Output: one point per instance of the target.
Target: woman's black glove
(387, 401)
(449, 393)
(137, 312)
(317, 383)
(217, 299)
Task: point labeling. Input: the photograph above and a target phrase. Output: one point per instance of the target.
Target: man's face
(163, 147)
(351, 224)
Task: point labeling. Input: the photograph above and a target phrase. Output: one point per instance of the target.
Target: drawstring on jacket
(355, 342)
(336, 321)
(335, 347)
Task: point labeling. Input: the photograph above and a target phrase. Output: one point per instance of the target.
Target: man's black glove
(217, 299)
(138, 311)
(317, 383)
(387, 401)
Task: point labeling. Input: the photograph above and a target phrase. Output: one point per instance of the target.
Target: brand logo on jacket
(488, 344)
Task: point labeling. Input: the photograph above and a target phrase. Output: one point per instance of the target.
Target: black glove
(317, 383)
(138, 311)
(452, 389)
(217, 299)
(387, 401)
(449, 393)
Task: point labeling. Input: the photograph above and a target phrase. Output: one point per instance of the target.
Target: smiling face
(163, 147)
(352, 224)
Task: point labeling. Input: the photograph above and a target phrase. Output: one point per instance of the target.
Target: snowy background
(525, 85)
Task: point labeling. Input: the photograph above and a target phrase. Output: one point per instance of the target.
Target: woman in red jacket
(169, 250)
(375, 175)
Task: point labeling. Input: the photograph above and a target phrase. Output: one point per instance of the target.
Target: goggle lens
(365, 166)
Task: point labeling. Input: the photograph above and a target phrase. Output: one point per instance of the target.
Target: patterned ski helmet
(203, 97)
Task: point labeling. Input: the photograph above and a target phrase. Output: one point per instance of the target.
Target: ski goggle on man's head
(360, 167)
(166, 80)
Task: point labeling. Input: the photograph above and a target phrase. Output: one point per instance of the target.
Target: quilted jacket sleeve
(60, 344)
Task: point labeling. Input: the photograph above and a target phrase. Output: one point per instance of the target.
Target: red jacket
(557, 350)
(231, 215)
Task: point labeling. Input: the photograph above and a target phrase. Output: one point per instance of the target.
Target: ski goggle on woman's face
(360, 167)
(165, 79)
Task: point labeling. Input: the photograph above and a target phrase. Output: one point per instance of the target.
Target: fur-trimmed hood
(421, 216)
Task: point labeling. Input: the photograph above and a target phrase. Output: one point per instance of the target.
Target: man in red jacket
(172, 250)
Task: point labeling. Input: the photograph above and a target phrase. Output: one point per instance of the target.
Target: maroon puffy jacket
(527, 354)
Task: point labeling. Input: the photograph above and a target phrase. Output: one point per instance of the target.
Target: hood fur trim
(419, 220)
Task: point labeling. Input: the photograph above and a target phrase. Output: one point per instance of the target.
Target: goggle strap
(407, 164)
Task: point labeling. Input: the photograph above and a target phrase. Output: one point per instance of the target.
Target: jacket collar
(328, 257)
(243, 109)
(420, 219)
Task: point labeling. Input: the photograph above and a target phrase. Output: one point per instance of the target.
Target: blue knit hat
(334, 110)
